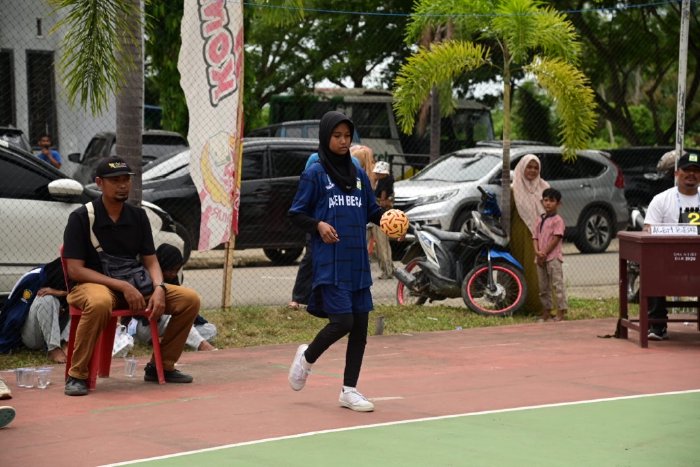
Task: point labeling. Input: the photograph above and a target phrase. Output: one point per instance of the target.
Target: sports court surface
(535, 394)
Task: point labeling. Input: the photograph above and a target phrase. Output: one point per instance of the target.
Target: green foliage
(532, 37)
(531, 115)
(526, 27)
(631, 57)
(93, 63)
(574, 101)
(643, 122)
(428, 68)
(162, 76)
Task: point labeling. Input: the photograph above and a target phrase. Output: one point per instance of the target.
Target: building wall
(18, 32)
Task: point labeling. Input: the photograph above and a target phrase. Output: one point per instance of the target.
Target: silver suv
(593, 201)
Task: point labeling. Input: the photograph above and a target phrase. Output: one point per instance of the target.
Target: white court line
(401, 422)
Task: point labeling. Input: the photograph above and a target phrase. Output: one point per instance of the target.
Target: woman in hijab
(334, 202)
(526, 210)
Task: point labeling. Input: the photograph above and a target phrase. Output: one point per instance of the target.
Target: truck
(372, 112)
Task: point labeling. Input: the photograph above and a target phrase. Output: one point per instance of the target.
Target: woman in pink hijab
(526, 210)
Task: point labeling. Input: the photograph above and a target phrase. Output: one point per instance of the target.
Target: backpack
(16, 308)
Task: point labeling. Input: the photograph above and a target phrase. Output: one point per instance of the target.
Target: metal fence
(33, 100)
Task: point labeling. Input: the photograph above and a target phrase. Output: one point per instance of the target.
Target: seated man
(36, 312)
(171, 261)
(122, 230)
(47, 324)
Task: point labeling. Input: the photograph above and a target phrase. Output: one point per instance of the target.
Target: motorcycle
(474, 264)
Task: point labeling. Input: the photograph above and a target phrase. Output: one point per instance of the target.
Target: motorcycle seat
(446, 236)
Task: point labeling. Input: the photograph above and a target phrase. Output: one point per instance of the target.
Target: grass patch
(256, 325)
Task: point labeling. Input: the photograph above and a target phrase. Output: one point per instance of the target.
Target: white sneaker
(299, 370)
(353, 400)
(5, 392)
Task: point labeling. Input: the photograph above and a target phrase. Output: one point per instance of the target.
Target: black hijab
(338, 166)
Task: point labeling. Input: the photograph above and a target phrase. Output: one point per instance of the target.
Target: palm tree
(531, 37)
(103, 55)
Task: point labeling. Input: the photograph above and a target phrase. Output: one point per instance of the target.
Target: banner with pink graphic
(211, 75)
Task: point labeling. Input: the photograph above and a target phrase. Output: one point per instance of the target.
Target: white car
(593, 202)
(35, 201)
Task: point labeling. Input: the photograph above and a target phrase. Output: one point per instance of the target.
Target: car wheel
(465, 221)
(282, 256)
(594, 231)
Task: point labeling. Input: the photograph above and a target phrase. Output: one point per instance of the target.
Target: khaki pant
(97, 302)
(551, 280)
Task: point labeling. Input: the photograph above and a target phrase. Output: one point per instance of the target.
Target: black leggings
(353, 324)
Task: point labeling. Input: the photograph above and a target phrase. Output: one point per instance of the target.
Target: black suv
(16, 137)
(638, 165)
(156, 144)
(269, 179)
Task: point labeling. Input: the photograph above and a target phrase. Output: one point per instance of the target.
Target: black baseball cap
(688, 160)
(113, 167)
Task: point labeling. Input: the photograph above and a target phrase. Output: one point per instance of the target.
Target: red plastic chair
(101, 360)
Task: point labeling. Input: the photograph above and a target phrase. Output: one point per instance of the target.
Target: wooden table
(669, 265)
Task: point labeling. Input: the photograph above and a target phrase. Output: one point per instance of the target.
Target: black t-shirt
(129, 237)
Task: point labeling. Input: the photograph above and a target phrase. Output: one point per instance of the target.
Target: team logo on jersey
(26, 294)
(359, 184)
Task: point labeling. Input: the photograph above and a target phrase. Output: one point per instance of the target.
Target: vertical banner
(211, 71)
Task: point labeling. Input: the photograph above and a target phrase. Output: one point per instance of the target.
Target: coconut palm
(531, 38)
(103, 56)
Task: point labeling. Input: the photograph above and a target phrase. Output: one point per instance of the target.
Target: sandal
(293, 305)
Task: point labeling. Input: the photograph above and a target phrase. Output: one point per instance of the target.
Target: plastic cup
(43, 377)
(130, 364)
(26, 377)
(19, 377)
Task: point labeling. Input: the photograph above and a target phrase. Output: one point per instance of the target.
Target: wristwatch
(162, 286)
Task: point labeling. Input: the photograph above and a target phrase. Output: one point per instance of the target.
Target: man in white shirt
(667, 208)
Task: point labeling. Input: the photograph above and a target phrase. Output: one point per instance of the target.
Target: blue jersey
(345, 263)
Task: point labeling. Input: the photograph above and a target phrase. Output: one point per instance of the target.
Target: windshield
(167, 167)
(459, 168)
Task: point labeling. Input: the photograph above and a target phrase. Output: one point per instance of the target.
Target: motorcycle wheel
(508, 297)
(406, 296)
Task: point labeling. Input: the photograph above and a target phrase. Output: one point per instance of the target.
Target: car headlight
(437, 197)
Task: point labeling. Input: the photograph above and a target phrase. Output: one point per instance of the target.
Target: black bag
(129, 270)
(118, 267)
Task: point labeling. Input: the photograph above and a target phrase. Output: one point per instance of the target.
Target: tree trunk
(129, 103)
(505, 177)
(434, 124)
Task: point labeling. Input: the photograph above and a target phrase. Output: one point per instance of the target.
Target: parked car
(156, 144)
(35, 201)
(15, 137)
(293, 129)
(638, 164)
(270, 174)
(593, 202)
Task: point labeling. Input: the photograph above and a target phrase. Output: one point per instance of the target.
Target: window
(288, 162)
(22, 182)
(41, 96)
(555, 168)
(7, 88)
(371, 119)
(252, 165)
